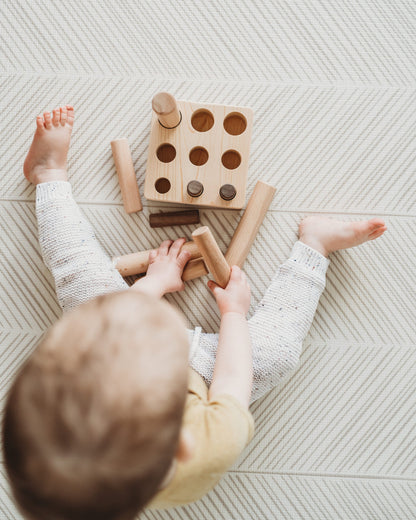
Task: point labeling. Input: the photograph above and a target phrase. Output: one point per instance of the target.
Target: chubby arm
(233, 371)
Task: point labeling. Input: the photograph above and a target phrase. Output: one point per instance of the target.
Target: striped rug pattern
(333, 88)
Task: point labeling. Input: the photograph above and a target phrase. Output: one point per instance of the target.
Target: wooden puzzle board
(189, 145)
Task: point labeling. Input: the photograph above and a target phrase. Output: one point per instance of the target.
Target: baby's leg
(280, 322)
(285, 314)
(78, 264)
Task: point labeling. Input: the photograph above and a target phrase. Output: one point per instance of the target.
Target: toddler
(105, 417)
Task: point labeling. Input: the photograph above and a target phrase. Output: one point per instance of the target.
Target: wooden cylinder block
(250, 223)
(166, 108)
(195, 188)
(212, 255)
(227, 192)
(174, 218)
(126, 175)
(194, 269)
(137, 263)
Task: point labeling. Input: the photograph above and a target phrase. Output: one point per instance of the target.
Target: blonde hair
(92, 421)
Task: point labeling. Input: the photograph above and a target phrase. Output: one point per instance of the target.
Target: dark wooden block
(227, 192)
(174, 218)
(195, 188)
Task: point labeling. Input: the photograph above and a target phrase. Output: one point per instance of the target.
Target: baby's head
(92, 420)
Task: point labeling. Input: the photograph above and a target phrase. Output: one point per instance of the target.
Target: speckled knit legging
(278, 327)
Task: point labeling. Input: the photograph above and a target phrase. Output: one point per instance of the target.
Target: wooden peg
(212, 255)
(194, 269)
(166, 108)
(227, 192)
(250, 223)
(126, 175)
(195, 188)
(174, 218)
(137, 263)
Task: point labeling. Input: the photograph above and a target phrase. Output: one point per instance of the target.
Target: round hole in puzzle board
(202, 120)
(162, 185)
(198, 156)
(235, 123)
(231, 159)
(166, 153)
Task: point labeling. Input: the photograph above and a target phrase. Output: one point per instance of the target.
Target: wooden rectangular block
(210, 145)
(174, 218)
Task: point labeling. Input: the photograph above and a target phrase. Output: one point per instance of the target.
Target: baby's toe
(377, 233)
(56, 117)
(64, 115)
(364, 228)
(48, 120)
(375, 223)
(40, 124)
(71, 116)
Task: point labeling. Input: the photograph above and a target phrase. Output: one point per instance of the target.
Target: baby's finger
(183, 258)
(152, 255)
(213, 287)
(164, 247)
(236, 273)
(243, 275)
(176, 247)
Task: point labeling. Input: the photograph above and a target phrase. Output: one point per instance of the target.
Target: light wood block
(137, 263)
(250, 223)
(211, 155)
(126, 175)
(212, 255)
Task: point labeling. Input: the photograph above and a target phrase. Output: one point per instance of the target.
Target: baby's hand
(166, 265)
(236, 296)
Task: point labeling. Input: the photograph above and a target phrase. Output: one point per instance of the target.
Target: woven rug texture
(333, 87)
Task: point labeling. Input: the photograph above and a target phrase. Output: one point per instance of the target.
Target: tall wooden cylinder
(250, 223)
(126, 175)
(211, 253)
(166, 108)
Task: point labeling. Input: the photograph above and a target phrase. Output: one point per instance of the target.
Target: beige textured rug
(333, 89)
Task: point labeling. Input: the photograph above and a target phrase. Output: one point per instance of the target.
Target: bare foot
(327, 235)
(46, 160)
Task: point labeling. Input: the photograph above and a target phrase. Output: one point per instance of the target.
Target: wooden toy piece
(195, 189)
(212, 255)
(188, 164)
(166, 108)
(194, 269)
(227, 192)
(174, 218)
(126, 175)
(250, 223)
(137, 263)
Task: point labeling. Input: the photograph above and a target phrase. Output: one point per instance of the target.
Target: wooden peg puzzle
(198, 153)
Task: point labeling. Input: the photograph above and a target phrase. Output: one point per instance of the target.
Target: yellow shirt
(221, 429)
